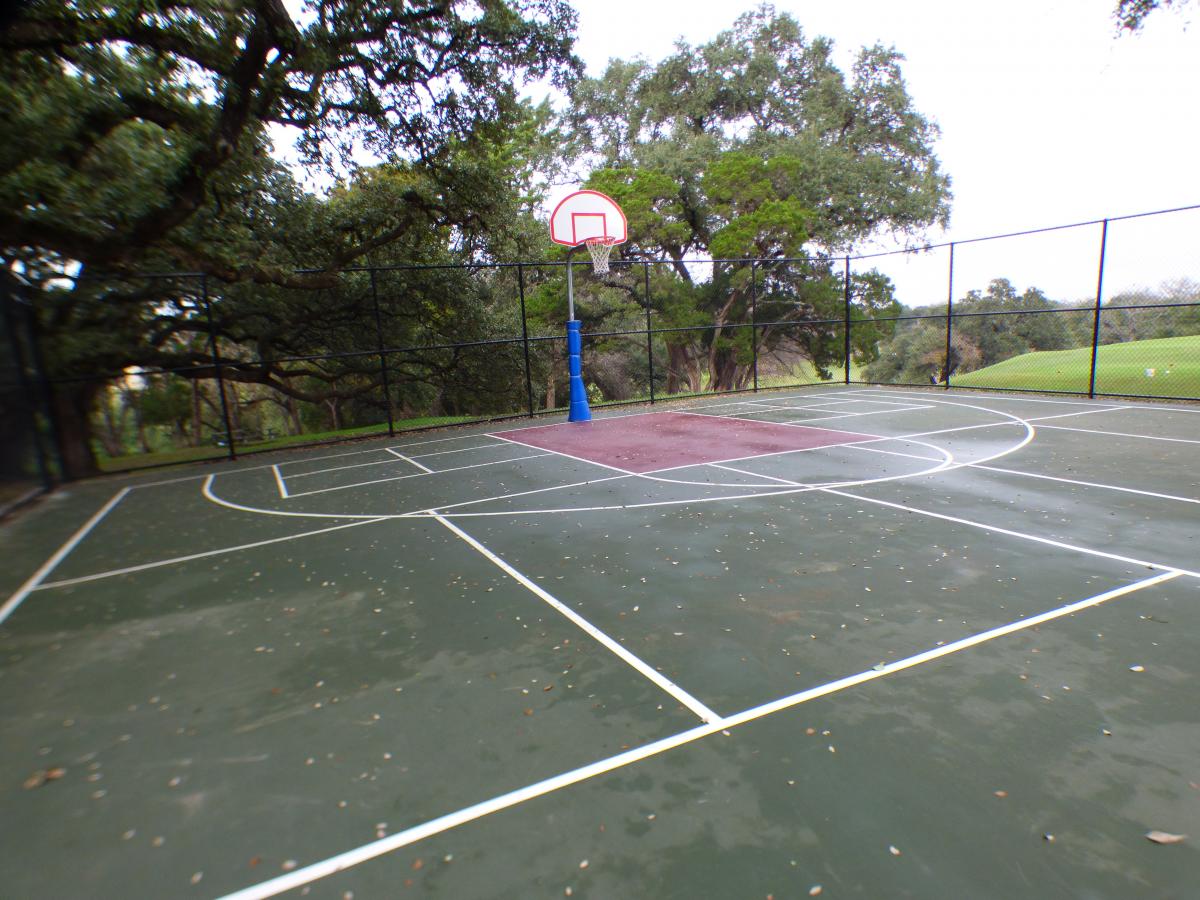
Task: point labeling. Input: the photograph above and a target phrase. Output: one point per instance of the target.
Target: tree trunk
(72, 405)
(683, 372)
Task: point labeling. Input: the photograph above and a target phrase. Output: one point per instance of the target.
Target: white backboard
(586, 215)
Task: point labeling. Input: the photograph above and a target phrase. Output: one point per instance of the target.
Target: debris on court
(1165, 837)
(44, 776)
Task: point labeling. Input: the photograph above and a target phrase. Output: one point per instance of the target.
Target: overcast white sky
(1048, 117)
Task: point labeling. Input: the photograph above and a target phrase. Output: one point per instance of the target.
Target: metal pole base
(579, 411)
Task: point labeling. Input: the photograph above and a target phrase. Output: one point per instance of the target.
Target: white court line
(1094, 484)
(283, 491)
(553, 487)
(47, 567)
(427, 472)
(896, 453)
(1013, 420)
(66, 582)
(1025, 536)
(590, 462)
(755, 474)
(1144, 437)
(844, 415)
(423, 468)
(391, 460)
(647, 671)
(861, 434)
(343, 861)
(460, 450)
(1015, 399)
(207, 491)
(1086, 412)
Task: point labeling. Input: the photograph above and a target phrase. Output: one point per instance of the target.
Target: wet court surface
(840, 643)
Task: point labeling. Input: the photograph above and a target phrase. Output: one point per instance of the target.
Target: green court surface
(867, 643)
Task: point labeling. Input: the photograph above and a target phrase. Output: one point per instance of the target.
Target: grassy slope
(1120, 369)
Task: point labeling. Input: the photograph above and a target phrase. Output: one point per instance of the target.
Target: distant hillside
(1121, 369)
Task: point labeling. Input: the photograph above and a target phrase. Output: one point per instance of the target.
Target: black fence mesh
(153, 370)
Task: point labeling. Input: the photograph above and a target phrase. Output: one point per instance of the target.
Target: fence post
(649, 332)
(216, 358)
(525, 336)
(1096, 314)
(949, 317)
(847, 335)
(754, 318)
(383, 367)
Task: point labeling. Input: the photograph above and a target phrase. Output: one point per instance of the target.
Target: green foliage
(1131, 15)
(755, 145)
(137, 139)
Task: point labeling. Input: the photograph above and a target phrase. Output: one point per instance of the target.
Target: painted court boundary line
(47, 567)
(1144, 437)
(128, 570)
(705, 714)
(358, 855)
(283, 491)
(1023, 535)
(407, 460)
(427, 472)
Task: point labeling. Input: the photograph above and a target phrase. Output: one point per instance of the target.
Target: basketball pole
(579, 411)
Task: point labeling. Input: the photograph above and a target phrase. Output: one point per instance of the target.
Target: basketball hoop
(599, 249)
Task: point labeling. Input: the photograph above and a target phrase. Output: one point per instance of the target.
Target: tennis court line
(1062, 545)
(423, 468)
(646, 670)
(1144, 437)
(427, 472)
(1058, 478)
(31, 583)
(1023, 535)
(343, 861)
(283, 491)
(66, 582)
(1000, 395)
(391, 460)
(1095, 484)
(846, 415)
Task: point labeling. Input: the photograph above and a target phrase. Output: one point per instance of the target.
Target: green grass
(193, 454)
(1120, 369)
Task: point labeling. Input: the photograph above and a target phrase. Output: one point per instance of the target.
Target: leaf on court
(529, 712)
(1165, 837)
(44, 776)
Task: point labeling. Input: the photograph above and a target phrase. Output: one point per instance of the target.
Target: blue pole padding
(579, 402)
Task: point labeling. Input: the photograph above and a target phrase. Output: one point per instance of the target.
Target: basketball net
(599, 250)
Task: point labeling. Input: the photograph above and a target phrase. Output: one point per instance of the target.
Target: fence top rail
(632, 263)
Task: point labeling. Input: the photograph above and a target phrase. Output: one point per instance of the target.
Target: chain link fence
(154, 370)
